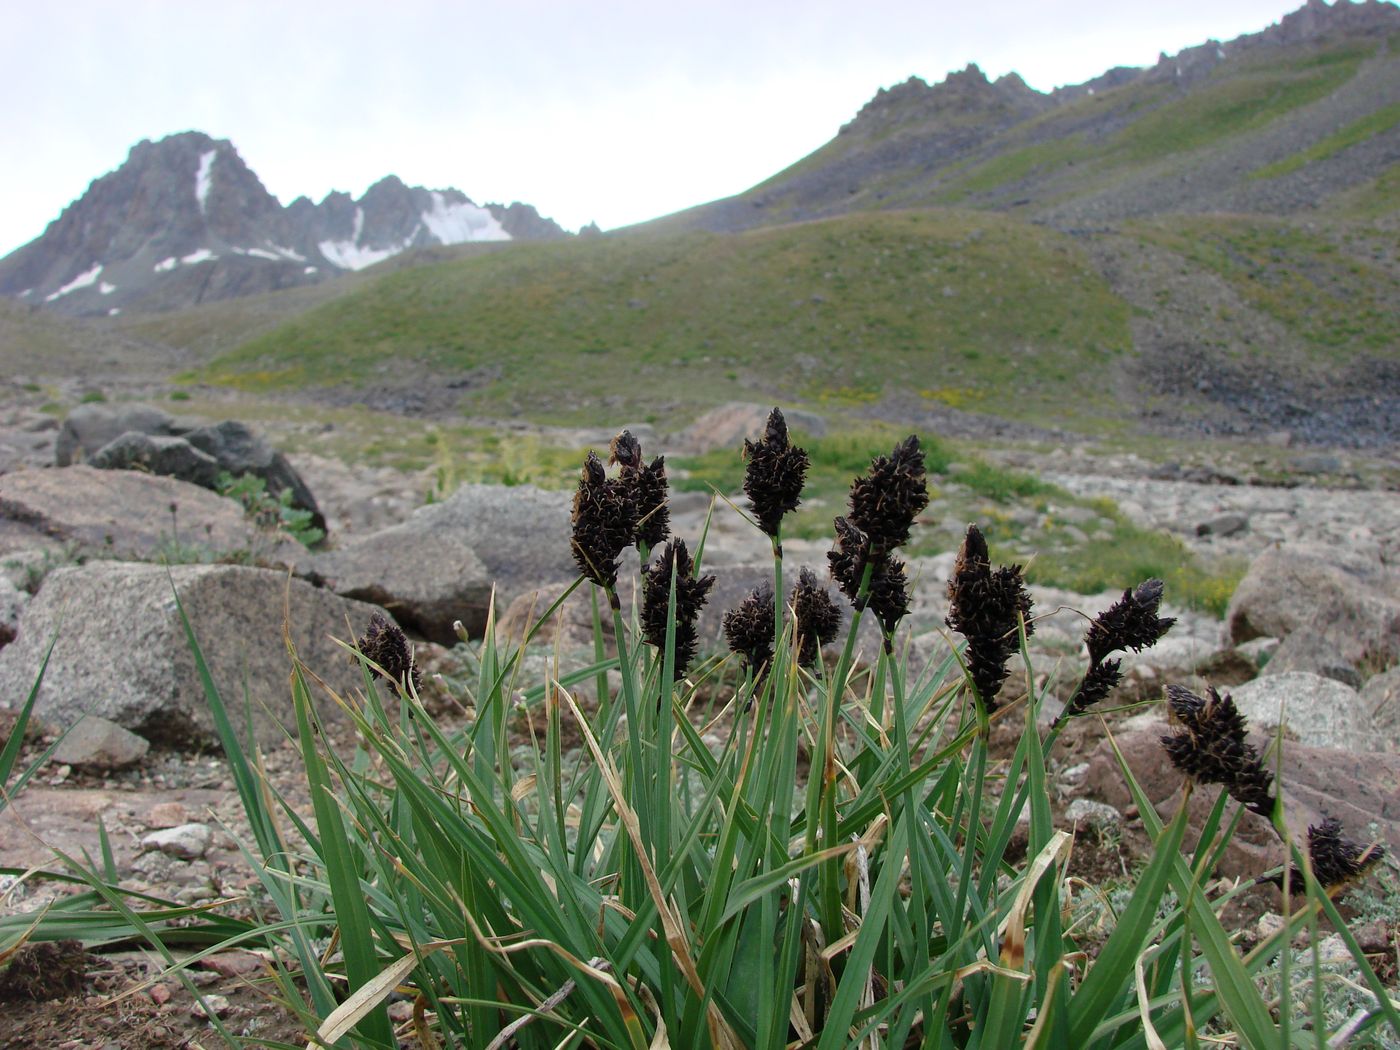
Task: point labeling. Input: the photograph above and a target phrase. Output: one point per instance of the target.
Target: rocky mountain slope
(185, 221)
(1278, 122)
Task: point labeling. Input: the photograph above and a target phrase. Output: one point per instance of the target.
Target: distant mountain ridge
(185, 220)
(1196, 132)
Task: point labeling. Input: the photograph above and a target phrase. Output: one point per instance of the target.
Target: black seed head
(775, 475)
(1211, 747)
(847, 559)
(1101, 680)
(650, 492)
(1336, 860)
(817, 617)
(1130, 623)
(605, 522)
(626, 451)
(691, 596)
(748, 629)
(987, 607)
(384, 644)
(885, 501)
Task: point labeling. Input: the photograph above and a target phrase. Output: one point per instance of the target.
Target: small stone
(401, 1012)
(218, 1005)
(160, 994)
(234, 964)
(97, 743)
(1095, 814)
(167, 815)
(1268, 925)
(1332, 950)
(186, 842)
(1223, 525)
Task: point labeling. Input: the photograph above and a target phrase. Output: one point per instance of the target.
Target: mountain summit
(185, 220)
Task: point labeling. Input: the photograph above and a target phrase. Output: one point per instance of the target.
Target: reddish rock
(1356, 788)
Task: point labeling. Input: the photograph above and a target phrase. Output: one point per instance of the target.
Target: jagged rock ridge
(185, 220)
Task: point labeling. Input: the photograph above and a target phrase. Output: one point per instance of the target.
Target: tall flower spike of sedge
(1129, 623)
(691, 596)
(748, 628)
(648, 486)
(1211, 747)
(384, 644)
(775, 475)
(605, 523)
(1336, 860)
(816, 616)
(885, 501)
(986, 606)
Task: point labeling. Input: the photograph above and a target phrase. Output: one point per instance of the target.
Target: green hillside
(977, 310)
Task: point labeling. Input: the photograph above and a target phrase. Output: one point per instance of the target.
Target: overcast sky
(612, 111)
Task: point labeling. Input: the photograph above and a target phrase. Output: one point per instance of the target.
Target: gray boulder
(1316, 711)
(426, 578)
(1287, 585)
(12, 603)
(520, 534)
(89, 427)
(121, 651)
(1381, 698)
(122, 513)
(170, 457)
(239, 451)
(97, 743)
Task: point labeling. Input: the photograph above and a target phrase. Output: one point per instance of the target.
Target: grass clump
(1358, 131)
(770, 852)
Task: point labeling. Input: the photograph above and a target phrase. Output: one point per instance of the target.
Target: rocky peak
(184, 219)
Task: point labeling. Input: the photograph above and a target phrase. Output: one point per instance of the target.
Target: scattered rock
(1222, 525)
(1285, 586)
(426, 578)
(12, 603)
(218, 1005)
(728, 426)
(1094, 814)
(1381, 698)
(234, 964)
(184, 842)
(1346, 638)
(123, 513)
(1356, 788)
(1316, 711)
(89, 427)
(520, 534)
(239, 451)
(170, 457)
(167, 815)
(96, 743)
(122, 651)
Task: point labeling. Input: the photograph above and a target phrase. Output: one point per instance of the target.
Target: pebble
(1094, 814)
(186, 842)
(218, 1005)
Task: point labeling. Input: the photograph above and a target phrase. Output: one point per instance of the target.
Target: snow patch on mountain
(202, 255)
(351, 256)
(461, 222)
(106, 289)
(83, 280)
(204, 178)
(165, 265)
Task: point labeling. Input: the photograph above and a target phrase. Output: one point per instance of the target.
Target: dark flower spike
(691, 596)
(847, 559)
(816, 615)
(647, 486)
(748, 629)
(1211, 747)
(653, 512)
(1337, 861)
(625, 451)
(605, 522)
(885, 502)
(889, 596)
(986, 607)
(384, 644)
(775, 475)
(1130, 623)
